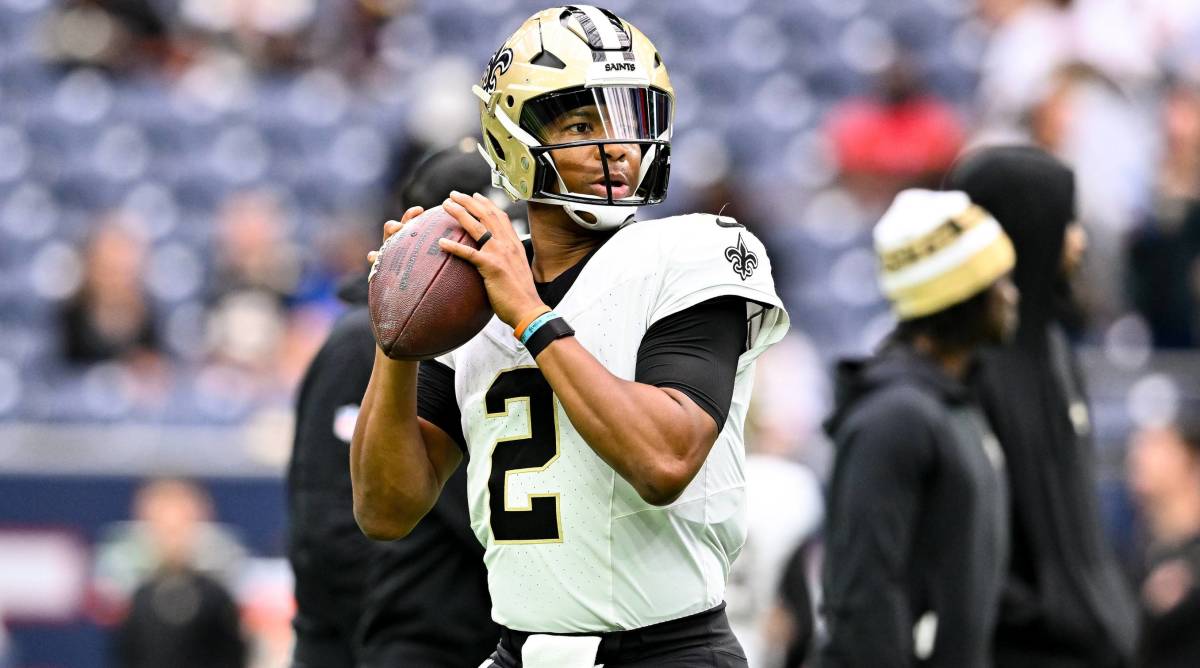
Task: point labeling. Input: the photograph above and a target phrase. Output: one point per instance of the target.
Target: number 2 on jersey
(539, 521)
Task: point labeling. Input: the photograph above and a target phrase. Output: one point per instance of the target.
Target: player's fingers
(486, 212)
(371, 257)
(463, 251)
(502, 222)
(472, 225)
(411, 212)
(391, 227)
(481, 213)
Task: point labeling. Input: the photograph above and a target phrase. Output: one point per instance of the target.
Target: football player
(601, 410)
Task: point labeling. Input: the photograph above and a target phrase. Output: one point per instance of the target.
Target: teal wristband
(536, 324)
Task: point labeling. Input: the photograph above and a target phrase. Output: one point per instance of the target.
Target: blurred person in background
(1164, 475)
(253, 251)
(110, 317)
(1164, 252)
(271, 35)
(421, 601)
(168, 514)
(118, 35)
(255, 322)
(916, 537)
(179, 616)
(901, 137)
(1065, 603)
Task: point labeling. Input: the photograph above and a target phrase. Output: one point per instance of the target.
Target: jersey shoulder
(700, 256)
(710, 248)
(685, 232)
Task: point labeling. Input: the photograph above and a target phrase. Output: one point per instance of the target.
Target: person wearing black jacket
(1065, 603)
(421, 601)
(916, 537)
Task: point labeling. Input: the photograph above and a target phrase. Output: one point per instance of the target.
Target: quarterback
(601, 410)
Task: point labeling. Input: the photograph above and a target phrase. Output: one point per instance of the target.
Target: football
(423, 301)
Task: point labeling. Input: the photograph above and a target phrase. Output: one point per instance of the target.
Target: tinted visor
(604, 113)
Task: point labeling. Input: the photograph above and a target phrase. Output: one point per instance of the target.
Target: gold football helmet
(577, 60)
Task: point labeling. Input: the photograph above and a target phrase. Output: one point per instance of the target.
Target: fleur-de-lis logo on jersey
(498, 65)
(744, 260)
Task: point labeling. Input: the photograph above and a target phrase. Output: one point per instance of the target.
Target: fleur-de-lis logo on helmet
(497, 66)
(743, 259)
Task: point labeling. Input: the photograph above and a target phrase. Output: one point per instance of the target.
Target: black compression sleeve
(436, 402)
(696, 351)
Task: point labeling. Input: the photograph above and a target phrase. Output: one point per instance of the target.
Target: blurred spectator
(1064, 601)
(179, 616)
(1164, 474)
(258, 269)
(119, 35)
(253, 248)
(110, 317)
(1164, 253)
(183, 619)
(917, 540)
(350, 40)
(270, 34)
(172, 520)
(903, 137)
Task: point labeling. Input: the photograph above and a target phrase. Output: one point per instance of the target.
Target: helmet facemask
(624, 130)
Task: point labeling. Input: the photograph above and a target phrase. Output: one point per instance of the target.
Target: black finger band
(483, 239)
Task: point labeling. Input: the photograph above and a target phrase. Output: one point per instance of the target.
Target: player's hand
(501, 261)
(393, 226)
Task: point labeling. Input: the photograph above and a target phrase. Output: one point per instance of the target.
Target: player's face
(1003, 298)
(580, 167)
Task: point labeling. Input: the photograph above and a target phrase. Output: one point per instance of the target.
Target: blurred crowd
(242, 298)
(200, 286)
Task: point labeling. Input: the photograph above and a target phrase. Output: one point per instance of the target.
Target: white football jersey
(570, 546)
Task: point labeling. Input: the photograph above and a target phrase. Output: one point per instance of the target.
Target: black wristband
(547, 334)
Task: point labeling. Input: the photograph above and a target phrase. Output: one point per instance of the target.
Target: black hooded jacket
(1065, 602)
(917, 518)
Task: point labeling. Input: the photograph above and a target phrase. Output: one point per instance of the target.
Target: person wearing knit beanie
(917, 533)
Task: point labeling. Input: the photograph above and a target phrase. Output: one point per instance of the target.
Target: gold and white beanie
(937, 249)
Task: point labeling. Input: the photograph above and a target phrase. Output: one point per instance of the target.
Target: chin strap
(606, 217)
